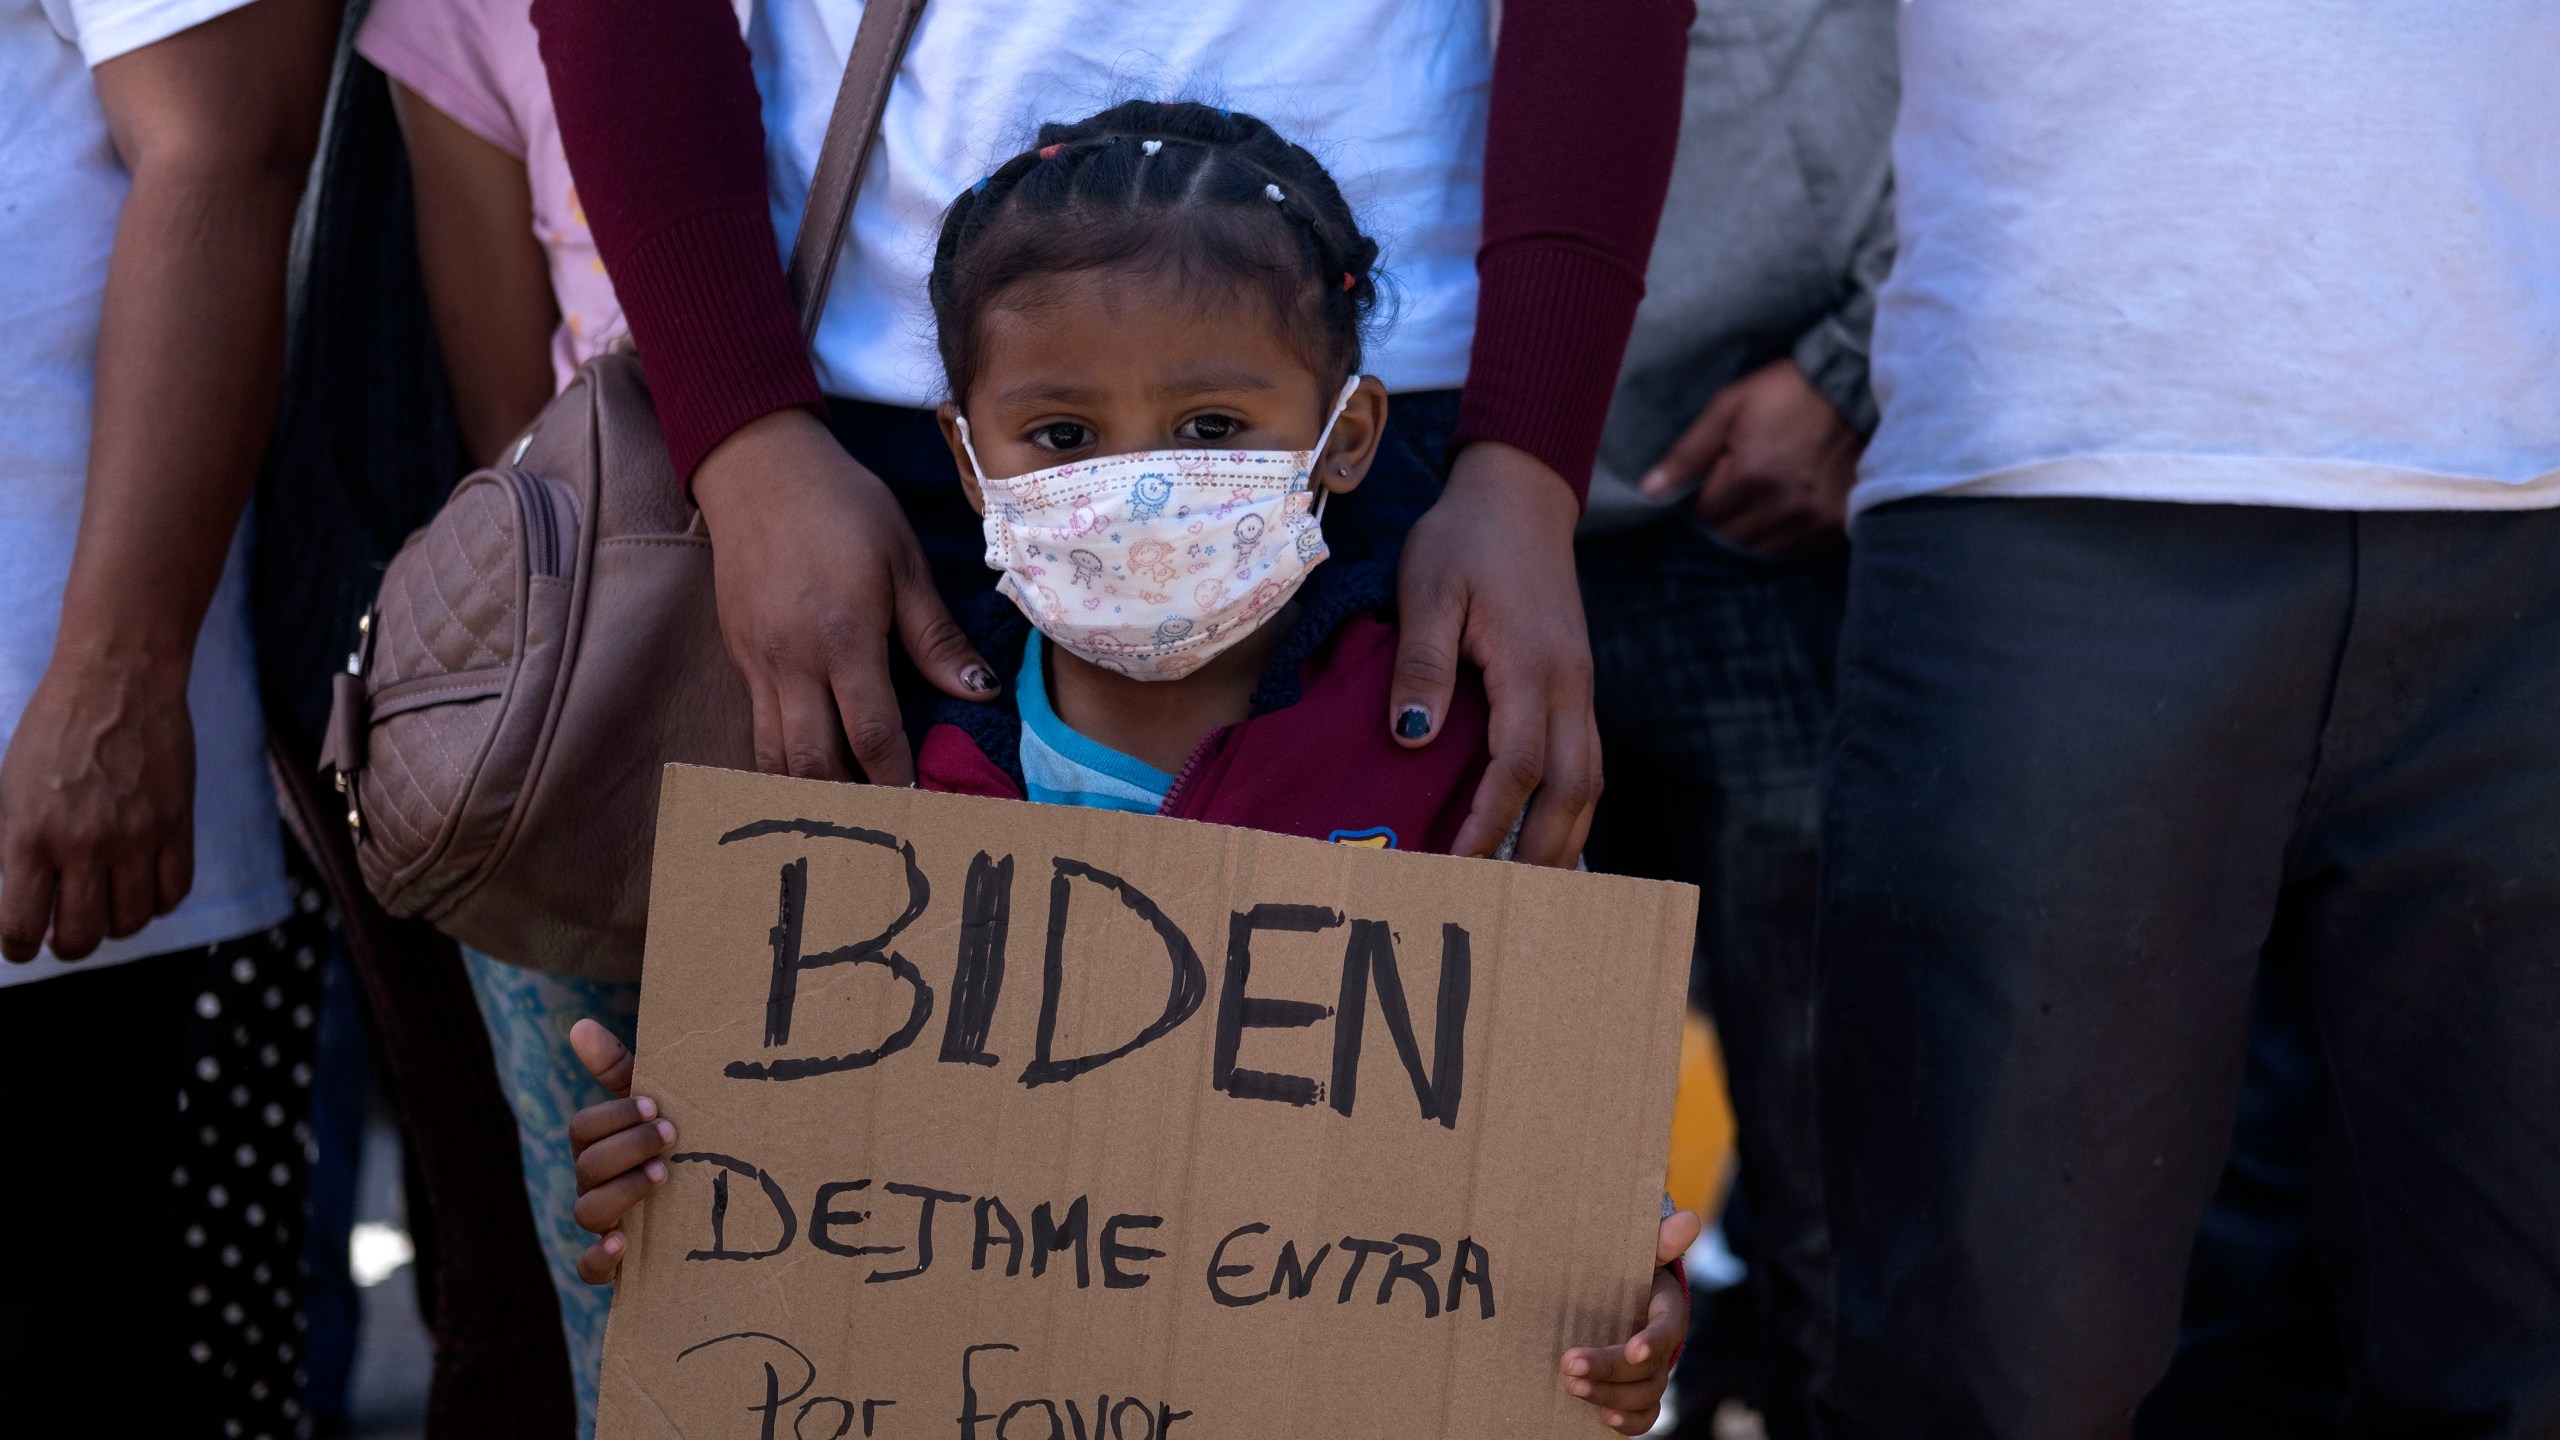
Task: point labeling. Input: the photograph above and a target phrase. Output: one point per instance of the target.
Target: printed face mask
(1152, 563)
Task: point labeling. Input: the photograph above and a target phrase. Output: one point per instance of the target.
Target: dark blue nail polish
(1413, 723)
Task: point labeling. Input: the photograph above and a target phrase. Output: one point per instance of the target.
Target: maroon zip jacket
(1311, 760)
(658, 112)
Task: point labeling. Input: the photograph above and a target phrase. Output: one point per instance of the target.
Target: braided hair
(1212, 199)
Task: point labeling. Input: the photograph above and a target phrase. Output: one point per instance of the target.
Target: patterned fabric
(1153, 562)
(244, 1165)
(529, 1013)
(1062, 767)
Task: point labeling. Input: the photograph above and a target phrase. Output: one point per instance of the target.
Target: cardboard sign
(1002, 1121)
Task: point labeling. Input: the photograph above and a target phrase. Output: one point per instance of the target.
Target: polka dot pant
(244, 1165)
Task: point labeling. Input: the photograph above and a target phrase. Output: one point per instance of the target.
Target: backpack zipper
(542, 539)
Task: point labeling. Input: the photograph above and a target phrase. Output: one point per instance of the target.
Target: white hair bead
(1152, 146)
(1274, 192)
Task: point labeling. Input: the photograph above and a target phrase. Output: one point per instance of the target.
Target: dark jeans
(2089, 758)
(90, 1335)
(904, 447)
(1712, 668)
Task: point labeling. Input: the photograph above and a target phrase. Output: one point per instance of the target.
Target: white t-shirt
(1389, 94)
(61, 190)
(2240, 251)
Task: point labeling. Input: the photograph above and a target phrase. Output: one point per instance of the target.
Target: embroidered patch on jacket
(1376, 838)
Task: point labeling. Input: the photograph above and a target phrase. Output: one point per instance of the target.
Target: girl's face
(1076, 367)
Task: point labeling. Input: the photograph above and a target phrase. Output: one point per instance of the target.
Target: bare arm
(97, 794)
(488, 282)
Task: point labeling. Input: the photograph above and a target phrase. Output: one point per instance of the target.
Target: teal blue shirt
(1061, 767)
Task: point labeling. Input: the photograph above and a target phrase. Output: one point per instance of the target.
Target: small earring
(1342, 470)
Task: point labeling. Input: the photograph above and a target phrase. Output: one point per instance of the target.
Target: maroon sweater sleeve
(1578, 147)
(660, 118)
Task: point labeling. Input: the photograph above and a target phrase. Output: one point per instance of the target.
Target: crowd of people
(2045, 515)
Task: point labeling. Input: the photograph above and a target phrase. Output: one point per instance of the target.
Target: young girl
(1151, 329)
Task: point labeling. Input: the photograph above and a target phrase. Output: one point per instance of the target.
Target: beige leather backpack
(550, 640)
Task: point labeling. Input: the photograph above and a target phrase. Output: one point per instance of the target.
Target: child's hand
(1626, 1381)
(618, 1145)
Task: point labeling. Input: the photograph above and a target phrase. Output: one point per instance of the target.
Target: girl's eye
(1064, 435)
(1210, 429)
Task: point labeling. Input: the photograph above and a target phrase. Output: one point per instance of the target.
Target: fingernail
(656, 1172)
(1577, 1366)
(1637, 1352)
(1581, 1389)
(613, 1243)
(1413, 722)
(647, 1107)
(667, 1131)
(978, 678)
(1654, 482)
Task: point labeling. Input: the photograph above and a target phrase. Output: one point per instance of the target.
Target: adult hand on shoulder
(97, 805)
(1777, 458)
(814, 566)
(1488, 578)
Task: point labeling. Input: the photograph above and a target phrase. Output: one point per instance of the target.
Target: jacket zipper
(1182, 777)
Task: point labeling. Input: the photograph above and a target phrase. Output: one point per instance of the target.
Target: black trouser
(1712, 675)
(90, 1341)
(2088, 758)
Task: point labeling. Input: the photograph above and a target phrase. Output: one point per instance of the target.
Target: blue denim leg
(529, 1014)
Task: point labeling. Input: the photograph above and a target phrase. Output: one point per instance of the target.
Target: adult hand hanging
(1777, 460)
(1488, 579)
(814, 567)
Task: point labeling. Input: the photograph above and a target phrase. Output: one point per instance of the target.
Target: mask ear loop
(971, 451)
(1315, 462)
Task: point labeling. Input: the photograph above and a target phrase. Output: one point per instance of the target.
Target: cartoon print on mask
(1154, 560)
(1148, 497)
(1248, 536)
(1138, 539)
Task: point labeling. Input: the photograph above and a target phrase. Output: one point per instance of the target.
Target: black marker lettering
(1047, 1235)
(1189, 984)
(1359, 1250)
(1285, 1273)
(1113, 1252)
(1165, 1416)
(789, 960)
(1372, 949)
(970, 1414)
(1239, 1012)
(729, 1165)
(1478, 1273)
(774, 1399)
(986, 918)
(1011, 1239)
(1219, 1269)
(924, 1229)
(824, 1218)
(871, 1410)
(1057, 1431)
(1120, 1421)
(1416, 1271)
(844, 1419)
